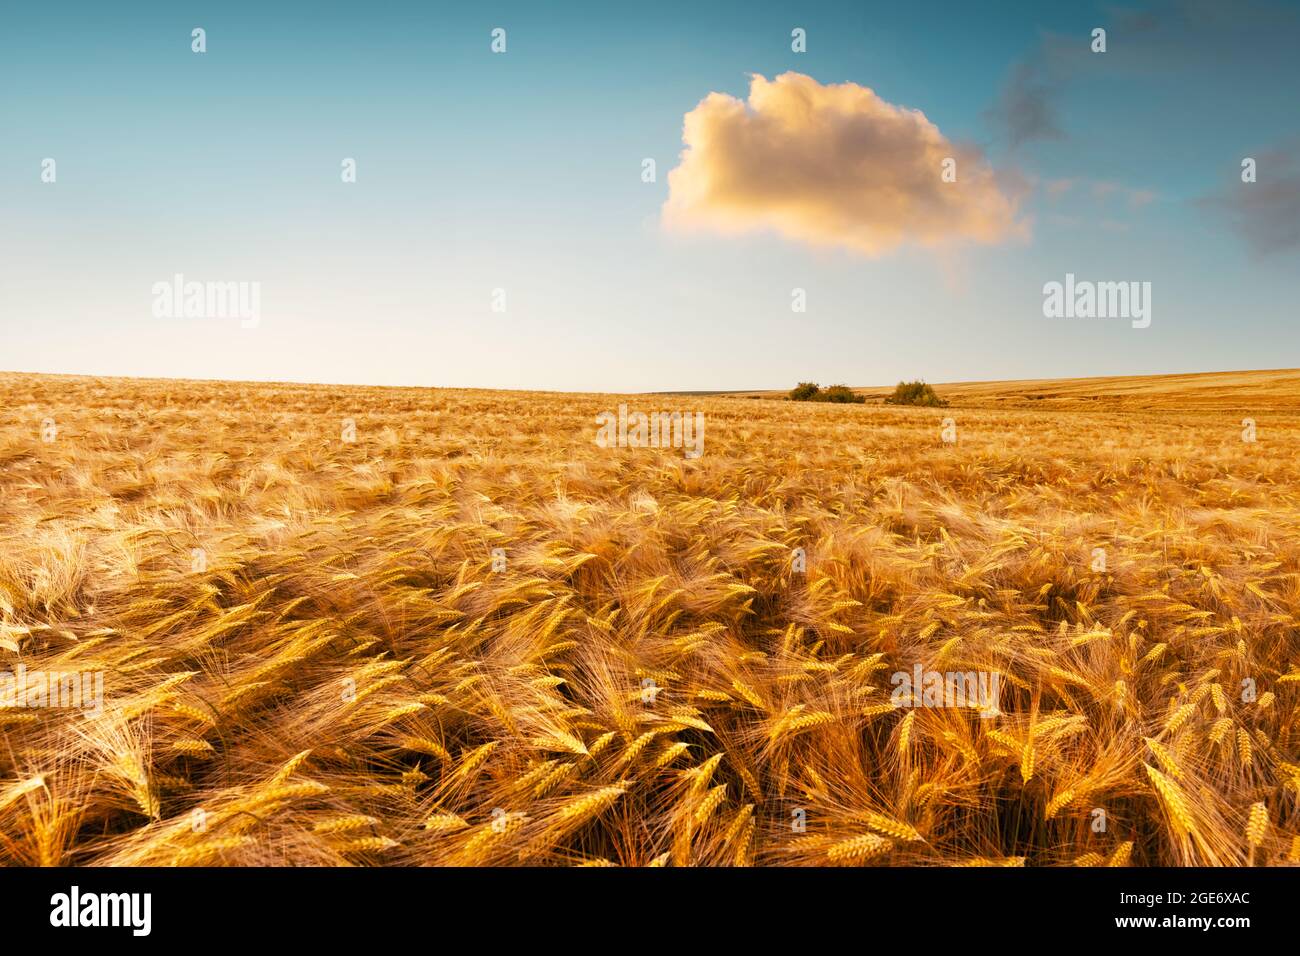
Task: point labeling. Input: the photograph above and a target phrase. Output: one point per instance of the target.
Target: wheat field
(472, 636)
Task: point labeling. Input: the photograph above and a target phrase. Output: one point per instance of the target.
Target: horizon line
(704, 392)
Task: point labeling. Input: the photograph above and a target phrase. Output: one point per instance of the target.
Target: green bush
(841, 394)
(811, 392)
(915, 393)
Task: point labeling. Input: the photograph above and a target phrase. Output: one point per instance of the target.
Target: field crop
(472, 636)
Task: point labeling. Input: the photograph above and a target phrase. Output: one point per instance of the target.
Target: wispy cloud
(1265, 214)
(1026, 110)
(1099, 189)
(1166, 37)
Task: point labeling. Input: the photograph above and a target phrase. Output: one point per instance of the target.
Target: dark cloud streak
(1265, 214)
(1026, 110)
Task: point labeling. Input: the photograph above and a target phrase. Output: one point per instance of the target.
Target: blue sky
(521, 171)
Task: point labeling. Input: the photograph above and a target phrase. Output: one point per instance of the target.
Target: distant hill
(1260, 390)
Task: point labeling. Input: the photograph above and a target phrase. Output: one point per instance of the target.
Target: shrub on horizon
(915, 393)
(841, 394)
(812, 392)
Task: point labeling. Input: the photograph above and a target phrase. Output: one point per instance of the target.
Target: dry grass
(350, 682)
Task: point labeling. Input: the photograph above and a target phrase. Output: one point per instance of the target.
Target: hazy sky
(522, 171)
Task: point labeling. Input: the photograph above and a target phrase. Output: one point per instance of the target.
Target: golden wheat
(473, 637)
